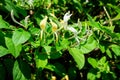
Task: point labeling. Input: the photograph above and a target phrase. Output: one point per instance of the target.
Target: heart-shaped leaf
(20, 36)
(78, 57)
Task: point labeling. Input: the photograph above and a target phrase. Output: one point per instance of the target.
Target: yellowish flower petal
(54, 26)
(43, 23)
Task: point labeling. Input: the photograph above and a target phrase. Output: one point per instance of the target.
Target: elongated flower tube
(75, 32)
(66, 18)
(42, 26)
(54, 26)
(43, 23)
(54, 29)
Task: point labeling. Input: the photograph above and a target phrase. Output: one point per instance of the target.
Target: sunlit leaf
(90, 45)
(21, 70)
(55, 69)
(78, 57)
(93, 62)
(108, 52)
(14, 50)
(3, 24)
(17, 73)
(20, 36)
(3, 51)
(41, 60)
(116, 49)
(93, 75)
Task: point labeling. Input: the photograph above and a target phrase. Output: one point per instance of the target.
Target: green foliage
(78, 57)
(20, 36)
(59, 40)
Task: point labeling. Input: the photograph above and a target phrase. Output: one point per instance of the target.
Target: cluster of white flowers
(72, 29)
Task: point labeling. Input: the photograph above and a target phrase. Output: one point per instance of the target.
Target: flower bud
(43, 23)
(54, 26)
(67, 16)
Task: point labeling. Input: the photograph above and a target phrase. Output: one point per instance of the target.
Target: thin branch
(26, 20)
(107, 15)
(12, 16)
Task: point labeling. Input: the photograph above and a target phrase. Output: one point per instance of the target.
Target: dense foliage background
(59, 39)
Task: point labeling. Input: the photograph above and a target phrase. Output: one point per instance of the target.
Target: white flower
(65, 19)
(75, 32)
(67, 16)
(30, 2)
(72, 30)
(87, 1)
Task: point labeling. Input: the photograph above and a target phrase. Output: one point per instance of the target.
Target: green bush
(59, 40)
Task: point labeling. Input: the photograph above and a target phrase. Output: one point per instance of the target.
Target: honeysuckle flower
(87, 1)
(54, 29)
(54, 26)
(43, 23)
(42, 26)
(70, 28)
(52, 14)
(30, 2)
(66, 18)
(75, 32)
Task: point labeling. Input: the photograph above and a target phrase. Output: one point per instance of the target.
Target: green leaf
(93, 62)
(55, 1)
(3, 24)
(34, 31)
(2, 39)
(117, 17)
(8, 64)
(20, 36)
(98, 26)
(47, 49)
(77, 56)
(108, 52)
(90, 45)
(102, 60)
(60, 46)
(51, 52)
(3, 51)
(56, 69)
(25, 69)
(102, 48)
(9, 5)
(2, 72)
(55, 55)
(14, 50)
(103, 65)
(17, 74)
(41, 60)
(21, 70)
(93, 23)
(60, 69)
(116, 49)
(72, 72)
(116, 8)
(91, 76)
(77, 5)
